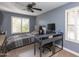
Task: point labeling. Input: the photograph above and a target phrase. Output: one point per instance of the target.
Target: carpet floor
(28, 51)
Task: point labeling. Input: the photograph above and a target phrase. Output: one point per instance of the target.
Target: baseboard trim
(71, 51)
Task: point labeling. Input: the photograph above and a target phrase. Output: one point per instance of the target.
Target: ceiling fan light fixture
(30, 7)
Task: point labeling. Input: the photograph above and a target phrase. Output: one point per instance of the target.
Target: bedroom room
(39, 29)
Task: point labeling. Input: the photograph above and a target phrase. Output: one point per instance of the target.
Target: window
(20, 24)
(72, 25)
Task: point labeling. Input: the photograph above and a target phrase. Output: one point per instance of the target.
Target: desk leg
(53, 49)
(62, 43)
(40, 50)
(34, 48)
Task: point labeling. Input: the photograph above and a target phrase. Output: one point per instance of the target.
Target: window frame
(66, 26)
(21, 24)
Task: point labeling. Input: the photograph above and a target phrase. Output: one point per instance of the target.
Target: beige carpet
(28, 51)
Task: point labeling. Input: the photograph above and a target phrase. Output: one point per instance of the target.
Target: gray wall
(57, 16)
(1, 18)
(6, 21)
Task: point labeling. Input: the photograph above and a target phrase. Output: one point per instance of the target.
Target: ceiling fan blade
(31, 10)
(37, 9)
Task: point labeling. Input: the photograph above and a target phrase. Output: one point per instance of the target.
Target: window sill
(74, 41)
(19, 33)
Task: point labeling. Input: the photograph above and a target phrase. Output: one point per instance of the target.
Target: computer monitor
(51, 27)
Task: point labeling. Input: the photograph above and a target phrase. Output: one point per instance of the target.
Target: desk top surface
(44, 35)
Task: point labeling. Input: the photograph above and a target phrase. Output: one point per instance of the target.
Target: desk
(38, 39)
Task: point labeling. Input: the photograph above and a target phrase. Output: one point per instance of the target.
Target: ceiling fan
(31, 8)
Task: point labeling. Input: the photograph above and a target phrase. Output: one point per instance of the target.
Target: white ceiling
(17, 7)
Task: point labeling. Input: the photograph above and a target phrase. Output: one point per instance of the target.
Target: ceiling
(17, 7)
